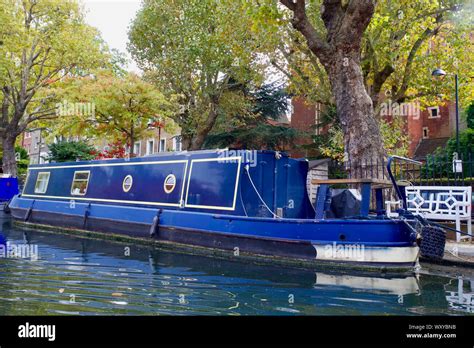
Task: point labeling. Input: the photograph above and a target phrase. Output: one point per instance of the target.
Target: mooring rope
(247, 167)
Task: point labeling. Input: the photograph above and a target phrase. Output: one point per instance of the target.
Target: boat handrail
(392, 177)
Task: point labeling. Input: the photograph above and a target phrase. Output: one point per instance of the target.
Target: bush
(70, 151)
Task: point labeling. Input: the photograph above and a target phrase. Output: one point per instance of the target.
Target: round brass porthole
(127, 183)
(170, 183)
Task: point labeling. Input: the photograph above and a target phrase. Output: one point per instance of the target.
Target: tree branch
(301, 23)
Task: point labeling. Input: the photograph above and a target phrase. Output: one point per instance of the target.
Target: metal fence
(436, 170)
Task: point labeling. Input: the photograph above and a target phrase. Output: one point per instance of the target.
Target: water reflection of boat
(393, 284)
(396, 286)
(253, 202)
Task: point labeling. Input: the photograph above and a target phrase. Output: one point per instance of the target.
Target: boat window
(170, 183)
(80, 183)
(127, 183)
(42, 182)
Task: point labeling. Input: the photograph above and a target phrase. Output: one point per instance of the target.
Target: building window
(43, 157)
(425, 132)
(42, 182)
(137, 148)
(80, 183)
(127, 183)
(150, 146)
(177, 146)
(162, 145)
(434, 112)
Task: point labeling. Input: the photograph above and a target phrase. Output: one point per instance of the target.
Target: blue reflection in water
(89, 277)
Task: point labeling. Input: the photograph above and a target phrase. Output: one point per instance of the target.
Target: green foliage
(439, 164)
(201, 51)
(42, 42)
(393, 134)
(23, 161)
(270, 101)
(119, 108)
(256, 131)
(466, 143)
(404, 42)
(70, 151)
(261, 136)
(470, 116)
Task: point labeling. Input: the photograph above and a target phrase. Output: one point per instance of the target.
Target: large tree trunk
(200, 137)
(9, 158)
(339, 52)
(362, 140)
(186, 141)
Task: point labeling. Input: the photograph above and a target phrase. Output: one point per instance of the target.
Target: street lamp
(441, 73)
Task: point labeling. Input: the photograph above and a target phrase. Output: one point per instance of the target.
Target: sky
(112, 18)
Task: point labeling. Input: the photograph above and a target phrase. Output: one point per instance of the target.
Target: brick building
(34, 144)
(427, 129)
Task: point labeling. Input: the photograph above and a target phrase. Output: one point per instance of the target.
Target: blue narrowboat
(244, 202)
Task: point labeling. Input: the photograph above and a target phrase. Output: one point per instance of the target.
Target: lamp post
(441, 73)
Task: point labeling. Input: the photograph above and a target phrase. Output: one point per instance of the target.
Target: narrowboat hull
(368, 244)
(248, 202)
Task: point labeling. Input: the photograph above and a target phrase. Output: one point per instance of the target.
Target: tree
(406, 40)
(201, 51)
(403, 40)
(256, 130)
(393, 132)
(43, 41)
(259, 136)
(71, 151)
(23, 160)
(338, 49)
(121, 109)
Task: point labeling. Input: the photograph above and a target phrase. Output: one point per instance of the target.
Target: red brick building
(427, 129)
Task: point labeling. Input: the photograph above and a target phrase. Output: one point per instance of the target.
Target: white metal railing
(442, 203)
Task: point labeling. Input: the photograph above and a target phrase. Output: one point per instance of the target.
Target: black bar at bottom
(135, 331)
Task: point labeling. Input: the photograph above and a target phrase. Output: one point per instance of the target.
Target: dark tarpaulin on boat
(344, 203)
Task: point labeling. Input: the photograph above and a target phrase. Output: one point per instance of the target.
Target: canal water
(53, 274)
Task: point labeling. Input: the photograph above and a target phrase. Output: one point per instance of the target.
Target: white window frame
(427, 133)
(48, 174)
(150, 141)
(75, 180)
(164, 145)
(433, 108)
(139, 152)
(176, 141)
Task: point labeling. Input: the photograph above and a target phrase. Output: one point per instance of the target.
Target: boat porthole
(170, 183)
(127, 183)
(342, 236)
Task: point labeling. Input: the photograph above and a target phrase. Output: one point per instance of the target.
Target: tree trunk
(9, 158)
(339, 51)
(186, 141)
(200, 137)
(362, 139)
